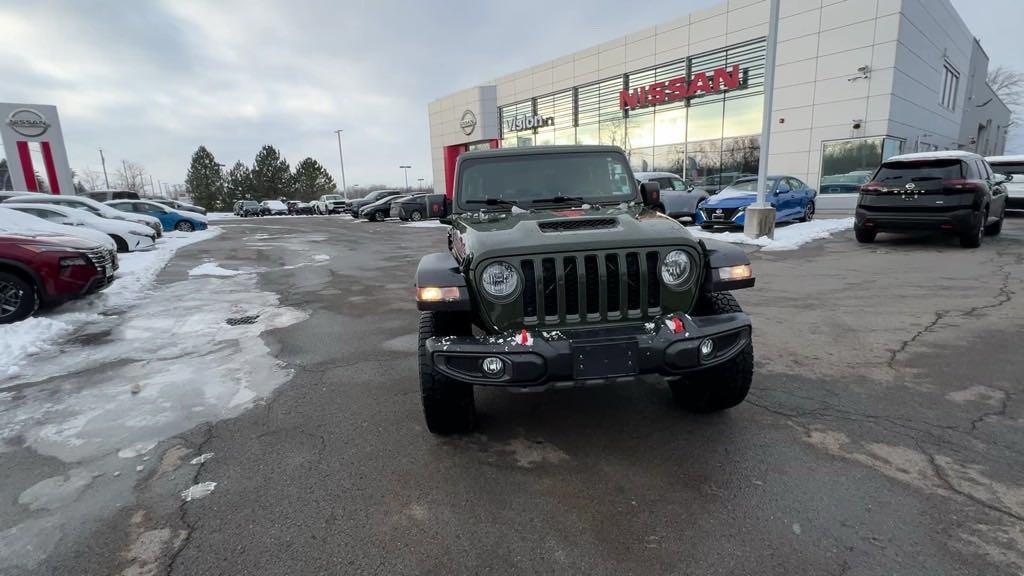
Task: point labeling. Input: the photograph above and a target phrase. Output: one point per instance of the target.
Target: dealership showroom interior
(710, 287)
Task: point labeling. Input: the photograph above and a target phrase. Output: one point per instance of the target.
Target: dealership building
(856, 81)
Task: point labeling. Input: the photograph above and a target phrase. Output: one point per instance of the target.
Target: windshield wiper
(493, 202)
(559, 200)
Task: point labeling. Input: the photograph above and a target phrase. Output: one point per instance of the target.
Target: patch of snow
(786, 237)
(197, 491)
(321, 257)
(135, 450)
(425, 224)
(201, 458)
(212, 269)
(518, 210)
(40, 334)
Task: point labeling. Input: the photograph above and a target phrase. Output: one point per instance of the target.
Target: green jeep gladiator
(561, 271)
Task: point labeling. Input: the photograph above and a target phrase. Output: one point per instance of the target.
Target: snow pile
(786, 237)
(43, 333)
(221, 216)
(425, 224)
(212, 269)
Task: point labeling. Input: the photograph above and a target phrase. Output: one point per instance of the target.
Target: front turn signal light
(437, 294)
(741, 272)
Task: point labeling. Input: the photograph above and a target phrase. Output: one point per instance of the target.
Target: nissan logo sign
(468, 122)
(28, 122)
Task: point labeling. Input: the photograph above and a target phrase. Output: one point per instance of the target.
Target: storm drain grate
(239, 320)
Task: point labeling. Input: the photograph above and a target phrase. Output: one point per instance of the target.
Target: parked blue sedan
(170, 218)
(792, 199)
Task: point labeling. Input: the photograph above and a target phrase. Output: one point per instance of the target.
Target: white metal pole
(759, 219)
(341, 156)
(769, 88)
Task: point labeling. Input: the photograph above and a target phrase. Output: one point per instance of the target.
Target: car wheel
(972, 238)
(996, 227)
(722, 386)
(416, 216)
(448, 405)
(122, 246)
(377, 216)
(864, 236)
(18, 298)
(808, 213)
(184, 226)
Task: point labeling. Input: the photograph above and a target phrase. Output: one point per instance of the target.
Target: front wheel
(184, 226)
(723, 386)
(18, 298)
(415, 216)
(377, 217)
(448, 405)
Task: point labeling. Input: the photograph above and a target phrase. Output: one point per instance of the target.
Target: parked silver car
(679, 198)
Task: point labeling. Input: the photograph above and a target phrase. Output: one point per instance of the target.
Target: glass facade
(703, 137)
(847, 164)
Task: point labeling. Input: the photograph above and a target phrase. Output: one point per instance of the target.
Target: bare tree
(132, 177)
(1008, 85)
(91, 179)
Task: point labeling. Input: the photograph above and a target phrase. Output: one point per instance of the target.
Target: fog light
(707, 347)
(493, 366)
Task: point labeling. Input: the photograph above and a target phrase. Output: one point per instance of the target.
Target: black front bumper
(957, 220)
(561, 357)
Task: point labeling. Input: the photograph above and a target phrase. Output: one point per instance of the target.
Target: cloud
(149, 81)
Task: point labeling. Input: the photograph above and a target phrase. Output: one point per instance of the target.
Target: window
(848, 164)
(950, 86)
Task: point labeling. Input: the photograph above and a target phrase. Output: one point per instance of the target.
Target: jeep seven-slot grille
(577, 224)
(590, 287)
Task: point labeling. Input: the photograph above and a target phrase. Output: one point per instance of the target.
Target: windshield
(536, 180)
(250, 203)
(748, 186)
(331, 198)
(939, 169)
(1009, 168)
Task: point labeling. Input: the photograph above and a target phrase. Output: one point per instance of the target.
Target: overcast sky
(149, 81)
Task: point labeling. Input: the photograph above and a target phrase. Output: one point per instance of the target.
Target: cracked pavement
(883, 434)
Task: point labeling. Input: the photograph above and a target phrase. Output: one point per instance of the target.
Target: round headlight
(675, 269)
(500, 280)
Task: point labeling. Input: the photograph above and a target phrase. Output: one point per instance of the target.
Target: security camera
(864, 69)
(857, 124)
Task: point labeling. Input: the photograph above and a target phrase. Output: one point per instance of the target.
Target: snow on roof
(935, 154)
(1012, 158)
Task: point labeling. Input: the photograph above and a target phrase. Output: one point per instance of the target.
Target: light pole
(341, 156)
(420, 180)
(406, 168)
(104, 162)
(760, 217)
(124, 165)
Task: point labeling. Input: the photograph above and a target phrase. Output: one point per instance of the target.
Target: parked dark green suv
(560, 272)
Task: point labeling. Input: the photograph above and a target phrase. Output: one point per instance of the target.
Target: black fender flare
(440, 270)
(718, 255)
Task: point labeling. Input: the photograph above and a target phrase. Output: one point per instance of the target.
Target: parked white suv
(1013, 168)
(127, 236)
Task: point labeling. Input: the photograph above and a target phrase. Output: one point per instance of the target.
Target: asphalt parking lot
(883, 434)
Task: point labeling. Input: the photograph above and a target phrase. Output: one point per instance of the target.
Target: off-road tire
(722, 386)
(28, 303)
(996, 227)
(864, 236)
(972, 238)
(448, 405)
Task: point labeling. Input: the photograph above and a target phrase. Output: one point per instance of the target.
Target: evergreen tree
(205, 181)
(312, 181)
(238, 185)
(271, 175)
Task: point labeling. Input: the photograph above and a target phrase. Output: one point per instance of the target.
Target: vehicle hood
(730, 199)
(49, 238)
(200, 217)
(482, 235)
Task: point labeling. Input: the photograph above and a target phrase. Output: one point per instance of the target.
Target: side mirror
(1001, 178)
(650, 193)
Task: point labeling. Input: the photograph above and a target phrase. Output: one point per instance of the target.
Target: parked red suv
(47, 270)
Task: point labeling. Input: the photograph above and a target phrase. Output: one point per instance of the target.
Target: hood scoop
(577, 224)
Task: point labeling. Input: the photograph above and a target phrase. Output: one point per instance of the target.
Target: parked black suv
(418, 207)
(354, 206)
(947, 190)
(247, 208)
